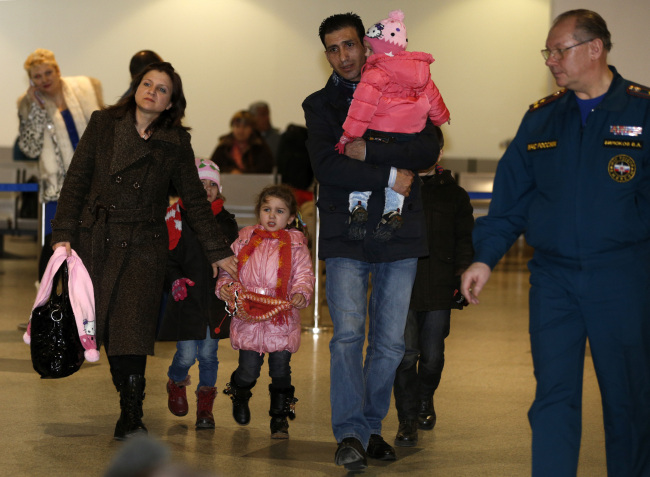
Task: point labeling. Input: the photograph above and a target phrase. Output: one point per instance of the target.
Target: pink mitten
(340, 146)
(179, 288)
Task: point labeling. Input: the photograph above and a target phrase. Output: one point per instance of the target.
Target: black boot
(283, 405)
(407, 433)
(240, 396)
(131, 396)
(426, 415)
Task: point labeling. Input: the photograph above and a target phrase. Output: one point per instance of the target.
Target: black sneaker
(357, 221)
(389, 223)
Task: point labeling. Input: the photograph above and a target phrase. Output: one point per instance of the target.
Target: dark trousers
(609, 306)
(250, 365)
(419, 373)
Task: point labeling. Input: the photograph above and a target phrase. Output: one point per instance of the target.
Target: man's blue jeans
(360, 391)
(186, 354)
(419, 373)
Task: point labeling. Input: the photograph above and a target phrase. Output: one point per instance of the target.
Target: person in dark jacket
(112, 211)
(449, 217)
(243, 150)
(360, 392)
(196, 318)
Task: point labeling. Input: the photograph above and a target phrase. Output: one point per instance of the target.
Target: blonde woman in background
(53, 115)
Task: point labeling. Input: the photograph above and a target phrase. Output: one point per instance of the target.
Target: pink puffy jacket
(259, 275)
(395, 94)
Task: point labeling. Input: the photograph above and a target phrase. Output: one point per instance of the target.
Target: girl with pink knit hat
(391, 103)
(195, 317)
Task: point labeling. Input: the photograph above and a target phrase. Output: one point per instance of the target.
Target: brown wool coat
(112, 210)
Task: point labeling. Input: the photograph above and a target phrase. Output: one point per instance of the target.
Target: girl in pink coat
(392, 102)
(276, 279)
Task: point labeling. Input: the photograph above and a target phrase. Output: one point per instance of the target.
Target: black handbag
(56, 349)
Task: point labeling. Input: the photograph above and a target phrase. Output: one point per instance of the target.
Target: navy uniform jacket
(338, 175)
(580, 194)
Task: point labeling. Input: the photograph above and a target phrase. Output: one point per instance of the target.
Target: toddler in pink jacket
(276, 279)
(392, 102)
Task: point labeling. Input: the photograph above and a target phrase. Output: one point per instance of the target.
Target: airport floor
(64, 427)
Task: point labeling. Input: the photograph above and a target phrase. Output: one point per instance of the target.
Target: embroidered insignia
(621, 168)
(549, 99)
(632, 131)
(539, 146)
(639, 91)
(623, 143)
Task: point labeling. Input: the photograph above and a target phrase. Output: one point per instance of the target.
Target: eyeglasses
(558, 53)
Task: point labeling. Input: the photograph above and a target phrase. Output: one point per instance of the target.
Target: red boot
(177, 397)
(204, 400)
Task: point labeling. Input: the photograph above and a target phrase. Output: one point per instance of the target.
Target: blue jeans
(360, 391)
(419, 373)
(187, 352)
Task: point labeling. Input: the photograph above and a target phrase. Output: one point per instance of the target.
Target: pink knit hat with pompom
(208, 170)
(388, 36)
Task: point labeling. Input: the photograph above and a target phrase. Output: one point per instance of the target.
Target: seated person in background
(262, 117)
(243, 150)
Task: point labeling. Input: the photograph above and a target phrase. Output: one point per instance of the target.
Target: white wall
(233, 52)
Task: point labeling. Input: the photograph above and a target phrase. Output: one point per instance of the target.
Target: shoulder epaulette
(638, 90)
(549, 99)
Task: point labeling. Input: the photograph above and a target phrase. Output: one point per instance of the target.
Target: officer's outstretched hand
(473, 281)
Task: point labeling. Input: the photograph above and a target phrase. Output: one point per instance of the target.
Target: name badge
(539, 146)
(623, 143)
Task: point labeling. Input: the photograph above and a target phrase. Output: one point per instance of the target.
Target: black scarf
(344, 86)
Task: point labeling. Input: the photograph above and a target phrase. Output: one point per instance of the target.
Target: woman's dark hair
(340, 21)
(285, 194)
(169, 118)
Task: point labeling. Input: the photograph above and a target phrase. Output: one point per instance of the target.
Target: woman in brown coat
(112, 212)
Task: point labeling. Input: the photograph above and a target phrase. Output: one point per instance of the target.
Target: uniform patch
(623, 143)
(621, 168)
(548, 100)
(631, 131)
(639, 91)
(539, 146)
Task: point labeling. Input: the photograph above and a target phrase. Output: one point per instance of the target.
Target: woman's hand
(229, 264)
(298, 300)
(35, 96)
(68, 248)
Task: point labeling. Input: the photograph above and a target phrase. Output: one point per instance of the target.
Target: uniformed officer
(576, 181)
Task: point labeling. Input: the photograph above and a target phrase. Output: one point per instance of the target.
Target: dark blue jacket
(338, 175)
(580, 194)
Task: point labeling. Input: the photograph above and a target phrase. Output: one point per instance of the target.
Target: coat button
(136, 185)
(123, 244)
(152, 220)
(112, 207)
(118, 179)
(156, 236)
(332, 208)
(81, 222)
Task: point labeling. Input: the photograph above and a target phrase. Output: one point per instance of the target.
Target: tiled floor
(64, 427)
